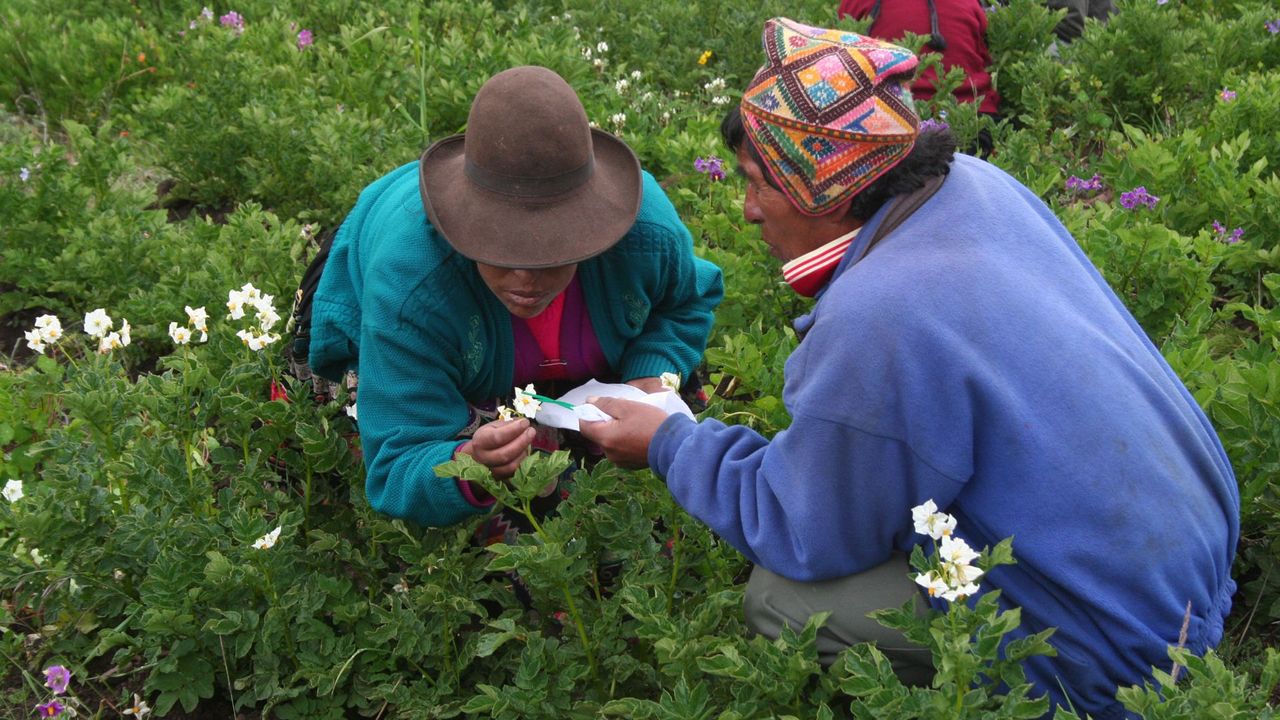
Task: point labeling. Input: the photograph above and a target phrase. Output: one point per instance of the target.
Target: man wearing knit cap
(963, 350)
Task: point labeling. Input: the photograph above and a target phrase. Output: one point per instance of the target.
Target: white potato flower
(50, 328)
(179, 334)
(268, 541)
(109, 342)
(928, 521)
(267, 317)
(932, 583)
(139, 708)
(198, 318)
(235, 304)
(505, 413)
(97, 323)
(35, 340)
(125, 329)
(960, 593)
(956, 551)
(670, 381)
(12, 491)
(525, 403)
(960, 574)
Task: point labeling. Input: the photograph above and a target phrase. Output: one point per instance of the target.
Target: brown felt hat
(530, 184)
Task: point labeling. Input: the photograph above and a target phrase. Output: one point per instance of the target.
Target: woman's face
(526, 293)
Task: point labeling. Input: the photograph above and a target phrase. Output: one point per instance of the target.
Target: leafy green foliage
(147, 164)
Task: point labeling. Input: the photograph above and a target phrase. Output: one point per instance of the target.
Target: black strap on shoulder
(300, 318)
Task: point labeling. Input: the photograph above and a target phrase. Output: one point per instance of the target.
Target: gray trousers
(1072, 26)
(773, 601)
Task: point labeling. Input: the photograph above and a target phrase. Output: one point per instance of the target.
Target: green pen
(553, 401)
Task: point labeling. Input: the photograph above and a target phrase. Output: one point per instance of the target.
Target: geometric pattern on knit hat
(829, 112)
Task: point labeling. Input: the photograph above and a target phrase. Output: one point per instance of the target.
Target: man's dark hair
(931, 155)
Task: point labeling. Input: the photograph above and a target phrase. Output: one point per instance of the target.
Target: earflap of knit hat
(829, 112)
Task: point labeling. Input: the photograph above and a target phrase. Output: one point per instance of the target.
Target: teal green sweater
(397, 304)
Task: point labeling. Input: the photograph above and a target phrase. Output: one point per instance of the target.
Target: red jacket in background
(962, 23)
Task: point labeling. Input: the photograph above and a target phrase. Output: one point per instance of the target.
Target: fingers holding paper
(625, 437)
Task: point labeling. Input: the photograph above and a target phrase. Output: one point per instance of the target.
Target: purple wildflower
(1273, 26)
(24, 174)
(712, 166)
(56, 678)
(234, 20)
(1231, 238)
(1138, 196)
(932, 125)
(305, 39)
(53, 708)
(1161, 2)
(1078, 185)
(1227, 95)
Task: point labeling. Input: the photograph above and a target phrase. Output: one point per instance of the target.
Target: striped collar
(809, 272)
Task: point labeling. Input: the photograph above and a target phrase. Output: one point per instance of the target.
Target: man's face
(788, 232)
(526, 293)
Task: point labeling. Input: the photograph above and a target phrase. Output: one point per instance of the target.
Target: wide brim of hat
(521, 232)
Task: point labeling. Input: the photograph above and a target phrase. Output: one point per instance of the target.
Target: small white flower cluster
(249, 296)
(12, 491)
(98, 325)
(715, 86)
(619, 120)
(595, 56)
(268, 541)
(525, 403)
(197, 319)
(954, 577)
(670, 381)
(48, 330)
(621, 86)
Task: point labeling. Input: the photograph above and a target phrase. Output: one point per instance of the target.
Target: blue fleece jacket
(427, 336)
(976, 357)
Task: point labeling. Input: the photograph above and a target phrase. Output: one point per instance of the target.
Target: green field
(153, 158)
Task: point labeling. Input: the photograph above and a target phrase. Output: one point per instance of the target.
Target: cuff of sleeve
(649, 366)
(666, 443)
(476, 496)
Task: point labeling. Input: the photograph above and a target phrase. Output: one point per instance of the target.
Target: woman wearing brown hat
(532, 249)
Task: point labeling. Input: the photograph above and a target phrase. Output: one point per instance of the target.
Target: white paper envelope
(562, 417)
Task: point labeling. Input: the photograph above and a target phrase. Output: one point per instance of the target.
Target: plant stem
(527, 511)
(675, 568)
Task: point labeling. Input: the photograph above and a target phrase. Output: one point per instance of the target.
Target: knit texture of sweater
(397, 304)
(977, 358)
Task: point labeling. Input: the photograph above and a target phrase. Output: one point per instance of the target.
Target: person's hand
(647, 384)
(624, 439)
(501, 446)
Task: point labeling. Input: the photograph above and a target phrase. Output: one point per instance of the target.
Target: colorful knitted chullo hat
(829, 112)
